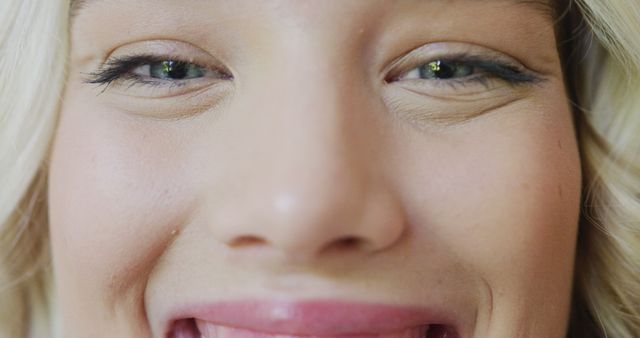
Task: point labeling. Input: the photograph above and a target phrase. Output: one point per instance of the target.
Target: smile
(250, 319)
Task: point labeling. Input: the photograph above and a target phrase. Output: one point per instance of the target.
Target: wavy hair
(601, 53)
(33, 52)
(607, 281)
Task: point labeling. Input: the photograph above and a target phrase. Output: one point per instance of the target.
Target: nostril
(247, 240)
(347, 243)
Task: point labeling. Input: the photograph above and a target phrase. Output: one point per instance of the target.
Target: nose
(304, 178)
(304, 223)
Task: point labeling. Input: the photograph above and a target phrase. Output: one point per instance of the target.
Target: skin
(308, 176)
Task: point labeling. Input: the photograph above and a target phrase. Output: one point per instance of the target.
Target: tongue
(209, 330)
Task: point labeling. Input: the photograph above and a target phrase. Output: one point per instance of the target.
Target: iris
(442, 70)
(175, 70)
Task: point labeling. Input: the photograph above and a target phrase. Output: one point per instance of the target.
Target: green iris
(442, 70)
(175, 70)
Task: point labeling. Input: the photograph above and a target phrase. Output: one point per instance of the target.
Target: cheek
(502, 194)
(518, 201)
(117, 193)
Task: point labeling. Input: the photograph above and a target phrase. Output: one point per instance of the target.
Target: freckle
(560, 190)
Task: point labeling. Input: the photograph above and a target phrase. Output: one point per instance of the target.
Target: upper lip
(311, 318)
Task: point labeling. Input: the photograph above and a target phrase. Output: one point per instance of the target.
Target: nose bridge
(309, 184)
(316, 146)
(320, 181)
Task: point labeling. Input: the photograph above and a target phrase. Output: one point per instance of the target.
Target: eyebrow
(548, 7)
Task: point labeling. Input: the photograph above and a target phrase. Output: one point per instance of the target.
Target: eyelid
(159, 50)
(451, 51)
(123, 66)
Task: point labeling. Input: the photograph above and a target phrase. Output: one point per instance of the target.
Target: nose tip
(300, 227)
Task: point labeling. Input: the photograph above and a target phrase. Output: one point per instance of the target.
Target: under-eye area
(158, 79)
(448, 83)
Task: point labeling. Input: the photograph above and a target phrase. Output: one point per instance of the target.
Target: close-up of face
(390, 168)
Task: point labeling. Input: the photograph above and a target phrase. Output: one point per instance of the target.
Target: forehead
(548, 7)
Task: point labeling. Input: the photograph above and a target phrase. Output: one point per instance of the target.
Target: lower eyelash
(507, 73)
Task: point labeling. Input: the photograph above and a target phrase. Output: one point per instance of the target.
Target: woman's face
(323, 168)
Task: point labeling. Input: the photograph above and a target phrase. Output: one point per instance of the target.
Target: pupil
(174, 70)
(443, 70)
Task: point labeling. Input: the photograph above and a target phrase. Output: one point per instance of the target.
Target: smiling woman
(436, 169)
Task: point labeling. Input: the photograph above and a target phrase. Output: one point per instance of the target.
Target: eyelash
(120, 69)
(489, 68)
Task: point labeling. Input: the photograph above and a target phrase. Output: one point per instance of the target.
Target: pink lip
(311, 318)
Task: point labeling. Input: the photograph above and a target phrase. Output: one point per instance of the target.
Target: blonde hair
(33, 47)
(608, 264)
(33, 52)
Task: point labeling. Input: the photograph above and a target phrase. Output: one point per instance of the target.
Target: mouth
(195, 328)
(310, 319)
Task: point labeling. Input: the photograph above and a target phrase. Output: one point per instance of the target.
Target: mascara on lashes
(490, 67)
(120, 68)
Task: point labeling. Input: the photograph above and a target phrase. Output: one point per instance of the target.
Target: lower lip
(209, 330)
(335, 319)
(199, 329)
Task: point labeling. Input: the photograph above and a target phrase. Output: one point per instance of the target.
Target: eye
(443, 70)
(170, 70)
(464, 70)
(157, 72)
(440, 70)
